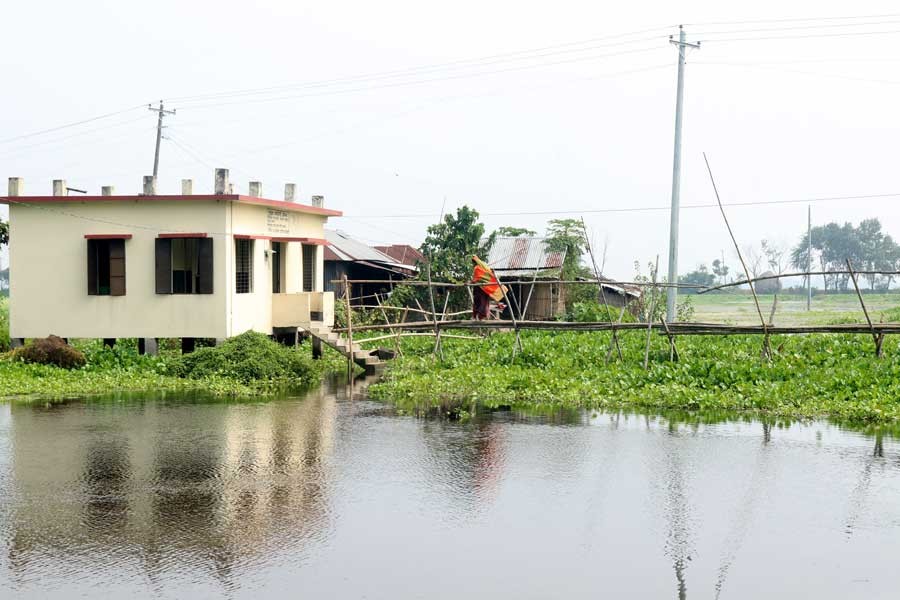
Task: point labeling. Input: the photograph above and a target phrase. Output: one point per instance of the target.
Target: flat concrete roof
(280, 204)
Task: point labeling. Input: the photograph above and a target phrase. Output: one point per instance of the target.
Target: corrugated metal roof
(343, 247)
(520, 255)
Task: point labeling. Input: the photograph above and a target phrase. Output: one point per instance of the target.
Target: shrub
(4, 324)
(52, 350)
(250, 357)
(592, 311)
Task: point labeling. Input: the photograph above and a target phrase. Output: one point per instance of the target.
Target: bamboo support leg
(865, 310)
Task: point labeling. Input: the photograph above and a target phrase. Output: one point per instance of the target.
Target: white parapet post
(107, 190)
(187, 187)
(256, 189)
(318, 201)
(149, 185)
(16, 186)
(222, 186)
(59, 187)
(290, 192)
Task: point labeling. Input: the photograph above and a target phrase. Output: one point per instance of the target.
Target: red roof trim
(181, 235)
(305, 240)
(108, 236)
(289, 206)
(242, 236)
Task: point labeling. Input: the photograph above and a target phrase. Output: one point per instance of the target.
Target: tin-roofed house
(537, 293)
(353, 259)
(176, 266)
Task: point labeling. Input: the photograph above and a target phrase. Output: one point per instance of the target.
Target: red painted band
(107, 236)
(181, 235)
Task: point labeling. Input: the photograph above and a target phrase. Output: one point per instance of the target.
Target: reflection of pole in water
(744, 516)
(861, 489)
(677, 515)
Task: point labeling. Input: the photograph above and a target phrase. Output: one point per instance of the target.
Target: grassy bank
(834, 376)
(248, 365)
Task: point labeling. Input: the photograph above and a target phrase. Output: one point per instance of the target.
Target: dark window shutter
(205, 266)
(92, 267)
(163, 266)
(116, 267)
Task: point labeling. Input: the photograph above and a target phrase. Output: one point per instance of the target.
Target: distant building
(150, 265)
(539, 295)
(345, 256)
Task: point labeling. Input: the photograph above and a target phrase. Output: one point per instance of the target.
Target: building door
(277, 266)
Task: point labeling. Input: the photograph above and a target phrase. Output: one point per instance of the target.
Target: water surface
(328, 496)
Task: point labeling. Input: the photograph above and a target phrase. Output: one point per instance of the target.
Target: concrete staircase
(367, 359)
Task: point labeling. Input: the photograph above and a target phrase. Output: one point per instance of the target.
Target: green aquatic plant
(836, 376)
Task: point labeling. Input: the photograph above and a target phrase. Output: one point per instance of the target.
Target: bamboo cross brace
(597, 276)
(388, 322)
(438, 351)
(614, 340)
(673, 351)
(650, 317)
(875, 337)
(765, 350)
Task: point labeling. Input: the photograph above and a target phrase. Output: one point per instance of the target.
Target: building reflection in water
(202, 487)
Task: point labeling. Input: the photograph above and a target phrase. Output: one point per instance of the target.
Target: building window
(309, 267)
(184, 265)
(243, 266)
(106, 267)
(278, 261)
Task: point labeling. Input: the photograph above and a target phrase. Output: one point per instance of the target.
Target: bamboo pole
(349, 329)
(673, 351)
(614, 341)
(419, 334)
(875, 336)
(447, 284)
(765, 350)
(706, 290)
(438, 351)
(587, 242)
(650, 317)
(388, 322)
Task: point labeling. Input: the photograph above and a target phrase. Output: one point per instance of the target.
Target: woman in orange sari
(489, 289)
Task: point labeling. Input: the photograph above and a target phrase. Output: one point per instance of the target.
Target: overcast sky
(583, 121)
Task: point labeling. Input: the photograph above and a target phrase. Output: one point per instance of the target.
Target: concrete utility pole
(809, 257)
(159, 127)
(672, 294)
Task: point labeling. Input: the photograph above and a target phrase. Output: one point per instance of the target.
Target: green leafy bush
(51, 351)
(251, 357)
(592, 311)
(4, 324)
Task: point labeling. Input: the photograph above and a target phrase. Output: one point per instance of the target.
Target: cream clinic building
(152, 266)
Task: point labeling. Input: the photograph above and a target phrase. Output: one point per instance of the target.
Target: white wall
(48, 269)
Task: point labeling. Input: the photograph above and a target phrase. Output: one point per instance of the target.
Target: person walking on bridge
(489, 288)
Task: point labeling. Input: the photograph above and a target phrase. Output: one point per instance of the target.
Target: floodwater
(325, 496)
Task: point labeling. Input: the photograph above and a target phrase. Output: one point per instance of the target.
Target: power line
(633, 209)
(793, 20)
(798, 27)
(424, 81)
(17, 201)
(67, 125)
(424, 68)
(803, 37)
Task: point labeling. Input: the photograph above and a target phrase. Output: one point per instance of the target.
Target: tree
(569, 236)
(701, 276)
(514, 232)
(754, 260)
(4, 232)
(774, 257)
(449, 245)
(866, 245)
(720, 270)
